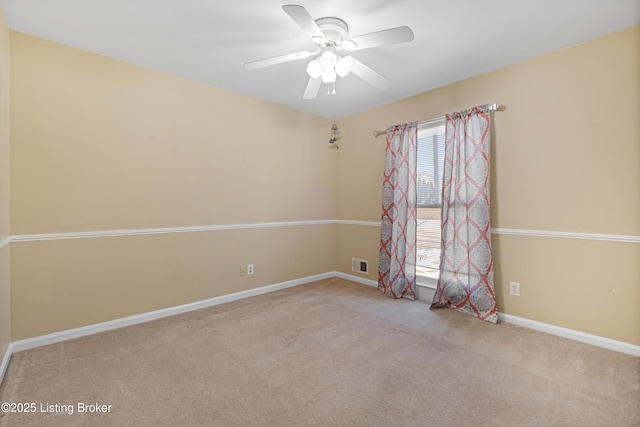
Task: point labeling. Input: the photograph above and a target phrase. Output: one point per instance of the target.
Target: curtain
(397, 262)
(466, 265)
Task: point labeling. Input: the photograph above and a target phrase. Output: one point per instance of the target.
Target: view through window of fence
(429, 192)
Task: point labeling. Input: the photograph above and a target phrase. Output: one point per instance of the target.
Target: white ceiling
(209, 41)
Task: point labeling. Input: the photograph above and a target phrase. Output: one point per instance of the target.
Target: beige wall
(105, 145)
(63, 284)
(565, 153)
(5, 267)
(100, 145)
(97, 144)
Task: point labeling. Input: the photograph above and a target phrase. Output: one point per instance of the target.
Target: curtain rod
(377, 133)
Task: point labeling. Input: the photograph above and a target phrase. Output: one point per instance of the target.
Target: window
(429, 194)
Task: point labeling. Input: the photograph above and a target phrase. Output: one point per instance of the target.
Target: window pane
(428, 187)
(428, 239)
(429, 168)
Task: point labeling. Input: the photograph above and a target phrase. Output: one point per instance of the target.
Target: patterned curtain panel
(466, 265)
(397, 266)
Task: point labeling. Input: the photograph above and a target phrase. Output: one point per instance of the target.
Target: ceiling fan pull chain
(331, 90)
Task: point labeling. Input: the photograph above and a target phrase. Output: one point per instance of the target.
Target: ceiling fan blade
(370, 76)
(312, 88)
(277, 60)
(379, 38)
(304, 20)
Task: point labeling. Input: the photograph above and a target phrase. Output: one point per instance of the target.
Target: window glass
(431, 140)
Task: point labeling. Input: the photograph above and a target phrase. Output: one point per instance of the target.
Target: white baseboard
(598, 341)
(57, 337)
(5, 361)
(70, 334)
(356, 279)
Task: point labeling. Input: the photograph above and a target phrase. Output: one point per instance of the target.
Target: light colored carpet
(330, 353)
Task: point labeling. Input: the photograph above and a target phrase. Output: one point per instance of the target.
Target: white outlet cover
(514, 289)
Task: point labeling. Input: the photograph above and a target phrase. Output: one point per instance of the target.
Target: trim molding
(365, 223)
(568, 235)
(619, 346)
(356, 279)
(5, 361)
(534, 233)
(144, 231)
(197, 229)
(56, 337)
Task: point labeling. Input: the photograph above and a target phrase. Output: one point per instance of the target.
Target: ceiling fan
(330, 35)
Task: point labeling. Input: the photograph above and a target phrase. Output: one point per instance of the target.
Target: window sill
(427, 278)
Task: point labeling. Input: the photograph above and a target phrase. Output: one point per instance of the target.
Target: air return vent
(360, 265)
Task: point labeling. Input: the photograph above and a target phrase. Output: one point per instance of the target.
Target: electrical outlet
(243, 270)
(514, 289)
(250, 269)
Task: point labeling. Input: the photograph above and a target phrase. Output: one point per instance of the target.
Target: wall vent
(360, 265)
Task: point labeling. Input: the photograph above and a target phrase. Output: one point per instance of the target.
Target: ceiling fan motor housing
(334, 29)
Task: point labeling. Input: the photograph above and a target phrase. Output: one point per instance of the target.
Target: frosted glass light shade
(314, 69)
(344, 66)
(328, 59)
(328, 75)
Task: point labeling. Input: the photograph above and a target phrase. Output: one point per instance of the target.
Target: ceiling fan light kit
(344, 66)
(330, 35)
(329, 65)
(314, 69)
(328, 59)
(329, 75)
